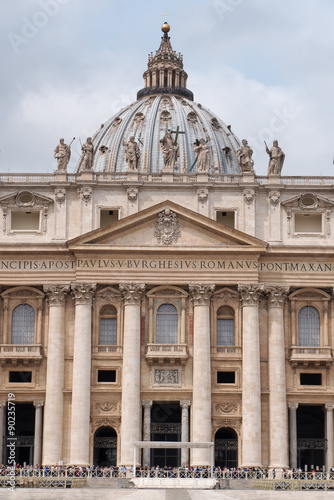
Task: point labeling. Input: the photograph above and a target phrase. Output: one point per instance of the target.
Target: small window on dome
(192, 117)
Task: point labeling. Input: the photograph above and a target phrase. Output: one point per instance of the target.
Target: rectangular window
(308, 223)
(108, 331)
(226, 218)
(310, 379)
(106, 376)
(25, 221)
(225, 377)
(225, 331)
(20, 377)
(108, 217)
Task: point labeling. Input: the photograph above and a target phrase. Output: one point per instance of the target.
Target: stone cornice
(83, 293)
(276, 295)
(56, 294)
(250, 294)
(201, 293)
(132, 292)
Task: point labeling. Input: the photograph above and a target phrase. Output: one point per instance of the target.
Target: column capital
(185, 403)
(250, 293)
(276, 295)
(146, 403)
(56, 294)
(201, 293)
(132, 292)
(83, 292)
(329, 406)
(293, 406)
(38, 404)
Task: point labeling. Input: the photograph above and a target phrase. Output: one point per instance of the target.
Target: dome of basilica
(137, 137)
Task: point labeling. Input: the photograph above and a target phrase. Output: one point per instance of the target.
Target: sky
(263, 66)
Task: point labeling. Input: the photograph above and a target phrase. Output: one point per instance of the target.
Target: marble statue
(132, 154)
(87, 154)
(62, 153)
(244, 155)
(203, 155)
(276, 159)
(170, 150)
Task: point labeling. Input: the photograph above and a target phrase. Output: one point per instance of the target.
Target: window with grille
(23, 324)
(309, 327)
(108, 326)
(225, 326)
(167, 324)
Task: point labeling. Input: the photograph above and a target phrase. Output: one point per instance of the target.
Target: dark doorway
(311, 442)
(24, 433)
(105, 447)
(166, 426)
(226, 448)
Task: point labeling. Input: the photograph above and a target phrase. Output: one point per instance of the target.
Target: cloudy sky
(264, 66)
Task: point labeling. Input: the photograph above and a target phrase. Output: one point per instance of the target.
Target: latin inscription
(166, 264)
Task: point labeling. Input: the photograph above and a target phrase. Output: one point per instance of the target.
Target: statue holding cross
(170, 148)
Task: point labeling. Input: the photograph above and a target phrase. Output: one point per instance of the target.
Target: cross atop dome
(165, 73)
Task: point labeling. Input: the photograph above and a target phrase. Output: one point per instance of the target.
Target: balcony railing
(10, 353)
(171, 352)
(311, 355)
(226, 351)
(110, 351)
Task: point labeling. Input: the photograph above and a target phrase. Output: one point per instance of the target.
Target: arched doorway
(105, 447)
(226, 448)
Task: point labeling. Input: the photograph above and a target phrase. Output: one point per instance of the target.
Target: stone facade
(140, 305)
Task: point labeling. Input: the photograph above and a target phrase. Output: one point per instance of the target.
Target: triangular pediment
(167, 225)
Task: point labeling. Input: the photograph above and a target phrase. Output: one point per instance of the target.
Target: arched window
(108, 326)
(225, 326)
(23, 324)
(309, 327)
(167, 324)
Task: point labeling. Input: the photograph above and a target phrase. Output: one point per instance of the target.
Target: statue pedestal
(167, 175)
(248, 177)
(202, 177)
(60, 176)
(132, 176)
(274, 179)
(87, 175)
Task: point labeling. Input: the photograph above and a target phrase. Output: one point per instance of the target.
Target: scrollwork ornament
(83, 292)
(86, 194)
(60, 195)
(223, 408)
(250, 294)
(107, 406)
(132, 292)
(56, 294)
(249, 196)
(276, 295)
(202, 195)
(274, 197)
(201, 293)
(132, 194)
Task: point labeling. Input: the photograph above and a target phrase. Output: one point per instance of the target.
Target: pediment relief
(23, 292)
(309, 294)
(25, 199)
(108, 293)
(168, 225)
(308, 201)
(170, 291)
(226, 295)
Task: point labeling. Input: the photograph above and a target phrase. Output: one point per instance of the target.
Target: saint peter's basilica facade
(165, 292)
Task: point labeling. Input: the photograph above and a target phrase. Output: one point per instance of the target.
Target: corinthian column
(277, 387)
(251, 384)
(83, 294)
(38, 432)
(329, 436)
(201, 405)
(130, 429)
(53, 412)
